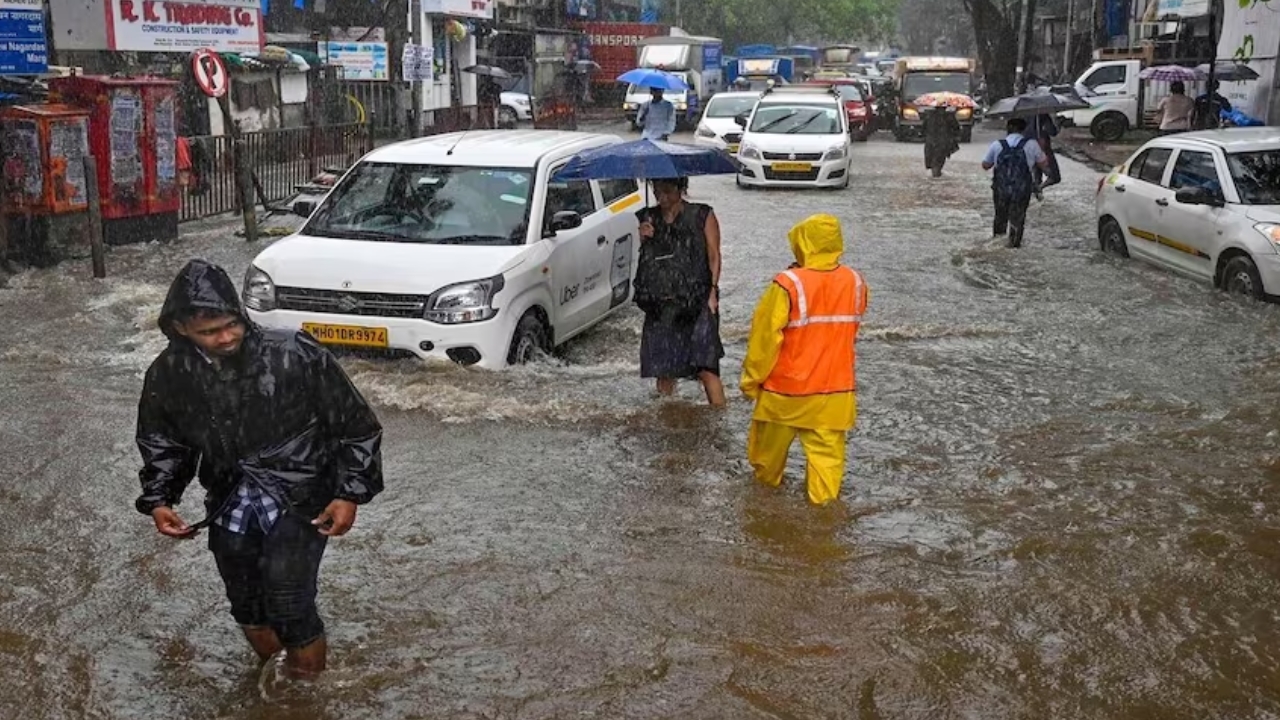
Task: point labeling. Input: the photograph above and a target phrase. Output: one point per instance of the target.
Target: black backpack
(672, 277)
(1013, 179)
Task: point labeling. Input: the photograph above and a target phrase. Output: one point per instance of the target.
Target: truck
(916, 76)
(839, 57)
(805, 57)
(695, 59)
(613, 45)
(1119, 101)
(759, 71)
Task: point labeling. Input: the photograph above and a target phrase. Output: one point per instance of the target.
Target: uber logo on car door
(620, 271)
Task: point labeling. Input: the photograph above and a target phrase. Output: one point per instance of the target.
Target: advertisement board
(1251, 35)
(23, 48)
(358, 60)
(1182, 8)
(163, 26)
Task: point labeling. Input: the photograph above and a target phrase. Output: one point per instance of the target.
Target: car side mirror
(304, 208)
(741, 120)
(564, 220)
(1198, 196)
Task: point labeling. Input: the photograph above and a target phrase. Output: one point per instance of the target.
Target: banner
(358, 60)
(23, 49)
(1251, 35)
(162, 26)
(1183, 8)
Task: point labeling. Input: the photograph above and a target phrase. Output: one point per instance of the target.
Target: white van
(456, 247)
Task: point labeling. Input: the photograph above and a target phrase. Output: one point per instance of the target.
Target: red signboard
(613, 45)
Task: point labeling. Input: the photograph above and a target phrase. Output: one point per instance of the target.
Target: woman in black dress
(677, 286)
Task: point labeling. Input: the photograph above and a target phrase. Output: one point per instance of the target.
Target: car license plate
(353, 335)
(792, 167)
(733, 148)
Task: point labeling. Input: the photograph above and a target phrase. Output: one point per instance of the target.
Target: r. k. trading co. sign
(23, 49)
(162, 26)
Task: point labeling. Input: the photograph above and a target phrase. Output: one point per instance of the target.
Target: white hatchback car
(717, 127)
(1204, 204)
(795, 136)
(456, 246)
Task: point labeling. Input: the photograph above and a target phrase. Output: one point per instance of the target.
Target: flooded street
(1063, 500)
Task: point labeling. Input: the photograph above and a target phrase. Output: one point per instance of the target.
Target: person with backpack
(801, 358)
(1013, 183)
(677, 287)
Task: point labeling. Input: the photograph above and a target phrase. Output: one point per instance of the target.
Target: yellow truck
(916, 76)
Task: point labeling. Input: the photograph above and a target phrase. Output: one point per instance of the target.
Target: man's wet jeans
(1011, 217)
(271, 578)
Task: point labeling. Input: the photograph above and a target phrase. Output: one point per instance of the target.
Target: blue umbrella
(650, 78)
(645, 160)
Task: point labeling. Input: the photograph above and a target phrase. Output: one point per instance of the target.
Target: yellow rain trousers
(821, 421)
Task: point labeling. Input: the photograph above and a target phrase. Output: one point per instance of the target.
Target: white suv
(795, 136)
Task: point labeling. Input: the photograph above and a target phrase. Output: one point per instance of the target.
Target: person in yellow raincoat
(801, 357)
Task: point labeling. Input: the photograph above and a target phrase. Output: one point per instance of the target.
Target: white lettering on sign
(616, 40)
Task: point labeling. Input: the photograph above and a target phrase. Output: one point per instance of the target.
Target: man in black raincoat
(282, 442)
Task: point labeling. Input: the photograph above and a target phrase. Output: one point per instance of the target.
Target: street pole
(415, 7)
(1213, 64)
(1066, 53)
(397, 23)
(1024, 41)
(96, 248)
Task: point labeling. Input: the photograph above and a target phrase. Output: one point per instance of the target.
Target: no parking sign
(210, 73)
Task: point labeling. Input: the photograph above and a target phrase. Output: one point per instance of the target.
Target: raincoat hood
(817, 242)
(200, 286)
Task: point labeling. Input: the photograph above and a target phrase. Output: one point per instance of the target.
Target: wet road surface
(1061, 503)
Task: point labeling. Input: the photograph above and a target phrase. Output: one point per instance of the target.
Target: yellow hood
(817, 242)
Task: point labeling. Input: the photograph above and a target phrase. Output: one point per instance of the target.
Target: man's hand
(646, 230)
(336, 519)
(169, 524)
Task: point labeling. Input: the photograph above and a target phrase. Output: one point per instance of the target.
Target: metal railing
(280, 160)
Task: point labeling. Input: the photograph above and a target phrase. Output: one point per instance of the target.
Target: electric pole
(415, 7)
(1071, 24)
(1024, 44)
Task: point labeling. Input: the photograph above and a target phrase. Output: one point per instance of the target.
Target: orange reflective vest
(819, 354)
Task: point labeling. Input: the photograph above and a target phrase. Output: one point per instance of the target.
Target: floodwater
(1062, 502)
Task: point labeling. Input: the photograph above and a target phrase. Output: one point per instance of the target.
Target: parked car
(717, 127)
(857, 105)
(1203, 204)
(516, 107)
(795, 136)
(458, 247)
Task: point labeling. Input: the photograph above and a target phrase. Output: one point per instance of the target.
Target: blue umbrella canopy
(650, 78)
(646, 160)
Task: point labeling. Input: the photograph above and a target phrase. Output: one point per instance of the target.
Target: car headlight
(521, 101)
(910, 113)
(750, 153)
(682, 106)
(1270, 231)
(964, 114)
(464, 303)
(705, 132)
(858, 111)
(628, 106)
(835, 153)
(259, 290)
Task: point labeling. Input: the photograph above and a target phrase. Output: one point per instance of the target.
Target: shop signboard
(162, 26)
(23, 48)
(358, 60)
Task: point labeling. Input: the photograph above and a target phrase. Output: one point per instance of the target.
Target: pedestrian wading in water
(283, 443)
(801, 361)
(941, 137)
(677, 287)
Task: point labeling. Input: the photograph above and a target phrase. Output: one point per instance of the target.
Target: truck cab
(916, 76)
(1115, 95)
(697, 60)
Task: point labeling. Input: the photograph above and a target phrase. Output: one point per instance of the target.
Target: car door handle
(1121, 188)
(1162, 202)
(602, 240)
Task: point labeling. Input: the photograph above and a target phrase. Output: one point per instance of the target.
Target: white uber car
(717, 128)
(456, 247)
(1204, 204)
(795, 136)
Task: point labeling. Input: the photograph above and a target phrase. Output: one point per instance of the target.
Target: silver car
(1203, 204)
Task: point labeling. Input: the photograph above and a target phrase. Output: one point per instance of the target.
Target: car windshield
(672, 95)
(1257, 176)
(430, 204)
(849, 93)
(727, 107)
(797, 120)
(917, 84)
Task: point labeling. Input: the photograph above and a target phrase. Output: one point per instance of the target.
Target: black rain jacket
(281, 413)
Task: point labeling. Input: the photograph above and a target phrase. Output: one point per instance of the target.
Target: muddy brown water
(1061, 502)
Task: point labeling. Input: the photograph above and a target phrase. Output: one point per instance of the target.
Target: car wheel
(1109, 127)
(741, 184)
(1111, 238)
(529, 340)
(507, 117)
(1240, 277)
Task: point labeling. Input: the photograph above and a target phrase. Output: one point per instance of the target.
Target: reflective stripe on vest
(818, 354)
